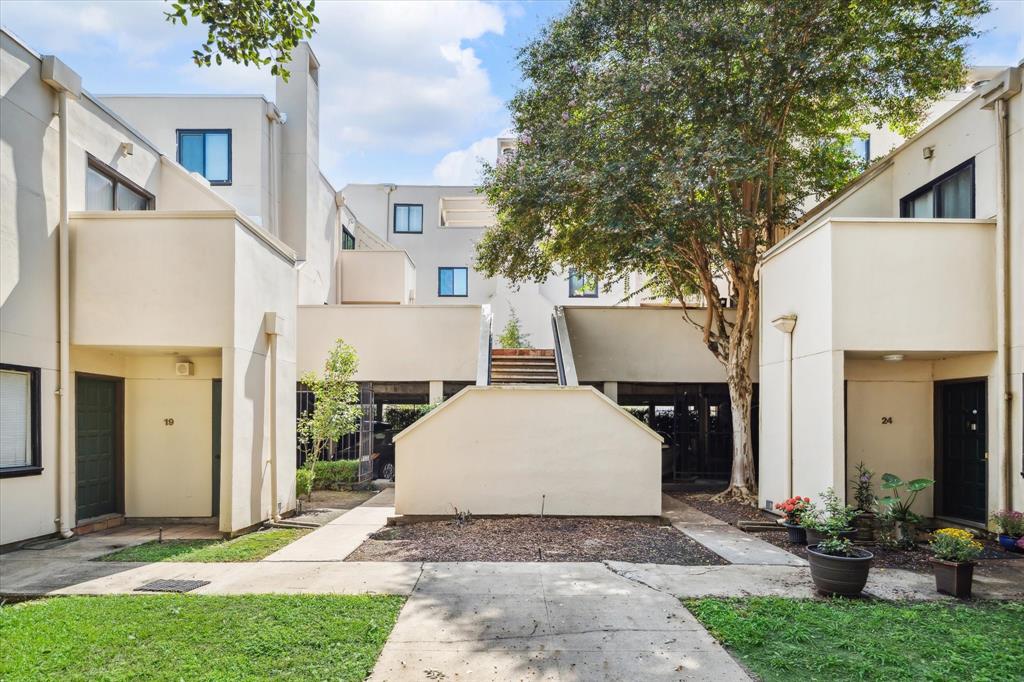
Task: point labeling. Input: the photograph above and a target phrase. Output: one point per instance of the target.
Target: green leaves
(336, 409)
(891, 482)
(248, 32)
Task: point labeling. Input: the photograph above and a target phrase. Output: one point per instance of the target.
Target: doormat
(172, 585)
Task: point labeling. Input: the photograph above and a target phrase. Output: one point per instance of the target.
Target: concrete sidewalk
(546, 621)
(732, 544)
(341, 536)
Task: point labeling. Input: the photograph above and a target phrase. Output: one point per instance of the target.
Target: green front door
(96, 446)
(217, 387)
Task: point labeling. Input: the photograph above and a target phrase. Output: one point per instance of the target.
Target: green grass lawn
(182, 637)
(251, 547)
(790, 639)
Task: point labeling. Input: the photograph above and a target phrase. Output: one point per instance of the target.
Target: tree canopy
(681, 138)
(248, 32)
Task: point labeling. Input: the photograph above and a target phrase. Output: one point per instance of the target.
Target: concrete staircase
(523, 366)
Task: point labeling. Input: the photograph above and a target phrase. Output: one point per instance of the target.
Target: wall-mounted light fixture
(928, 152)
(893, 357)
(127, 149)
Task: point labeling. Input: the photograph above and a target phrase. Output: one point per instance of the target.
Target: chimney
(299, 99)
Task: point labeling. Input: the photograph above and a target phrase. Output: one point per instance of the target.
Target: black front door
(217, 386)
(97, 445)
(962, 457)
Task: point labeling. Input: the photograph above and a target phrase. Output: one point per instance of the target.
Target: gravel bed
(535, 539)
(911, 560)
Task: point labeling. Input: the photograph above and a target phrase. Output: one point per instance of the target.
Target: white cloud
(463, 166)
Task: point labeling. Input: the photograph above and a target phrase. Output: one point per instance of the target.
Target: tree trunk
(743, 480)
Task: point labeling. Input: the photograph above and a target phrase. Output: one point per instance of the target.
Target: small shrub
(862, 488)
(303, 481)
(402, 416)
(794, 508)
(1010, 522)
(332, 474)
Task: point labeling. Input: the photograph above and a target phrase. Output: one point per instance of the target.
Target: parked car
(382, 454)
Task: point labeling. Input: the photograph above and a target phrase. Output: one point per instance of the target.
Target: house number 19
(169, 422)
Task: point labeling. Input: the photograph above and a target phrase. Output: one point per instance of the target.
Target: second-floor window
(452, 282)
(207, 152)
(409, 218)
(861, 147)
(581, 286)
(107, 190)
(348, 240)
(951, 195)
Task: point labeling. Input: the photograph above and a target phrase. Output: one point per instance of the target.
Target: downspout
(272, 324)
(67, 84)
(786, 324)
(387, 213)
(1007, 85)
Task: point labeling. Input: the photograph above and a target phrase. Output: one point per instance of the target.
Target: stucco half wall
(569, 451)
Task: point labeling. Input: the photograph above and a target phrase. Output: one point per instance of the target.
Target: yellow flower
(956, 533)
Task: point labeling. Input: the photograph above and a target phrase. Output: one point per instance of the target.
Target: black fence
(350, 446)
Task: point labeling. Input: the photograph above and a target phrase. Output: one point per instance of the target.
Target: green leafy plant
(1010, 522)
(955, 544)
(512, 336)
(336, 409)
(835, 518)
(836, 546)
(401, 417)
(335, 474)
(863, 484)
(258, 32)
(898, 514)
(303, 481)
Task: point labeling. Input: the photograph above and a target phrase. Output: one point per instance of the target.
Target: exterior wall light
(928, 152)
(893, 357)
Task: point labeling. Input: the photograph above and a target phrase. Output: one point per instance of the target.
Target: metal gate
(357, 445)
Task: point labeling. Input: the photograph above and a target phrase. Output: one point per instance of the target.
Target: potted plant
(793, 510)
(836, 520)
(866, 521)
(837, 567)
(955, 551)
(898, 509)
(1011, 529)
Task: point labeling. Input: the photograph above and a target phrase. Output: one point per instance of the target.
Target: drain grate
(172, 585)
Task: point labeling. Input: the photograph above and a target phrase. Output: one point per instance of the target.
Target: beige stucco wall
(441, 246)
(377, 277)
(581, 455)
(394, 343)
(923, 288)
(641, 344)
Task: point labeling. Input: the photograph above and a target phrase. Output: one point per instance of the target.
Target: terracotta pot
(953, 577)
(797, 533)
(814, 536)
(842, 575)
(866, 524)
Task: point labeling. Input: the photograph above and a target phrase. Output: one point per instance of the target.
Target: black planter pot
(954, 577)
(797, 533)
(814, 536)
(842, 575)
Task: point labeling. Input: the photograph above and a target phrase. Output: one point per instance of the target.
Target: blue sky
(411, 92)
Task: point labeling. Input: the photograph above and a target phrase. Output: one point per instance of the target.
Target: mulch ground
(885, 557)
(536, 539)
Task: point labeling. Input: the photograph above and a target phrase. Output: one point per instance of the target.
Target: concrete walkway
(732, 544)
(546, 621)
(338, 538)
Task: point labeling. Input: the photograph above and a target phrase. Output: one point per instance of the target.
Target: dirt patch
(536, 539)
(337, 499)
(730, 512)
(915, 559)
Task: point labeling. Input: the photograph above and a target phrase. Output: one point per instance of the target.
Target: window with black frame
(348, 240)
(951, 195)
(19, 421)
(408, 218)
(107, 190)
(581, 286)
(452, 281)
(207, 152)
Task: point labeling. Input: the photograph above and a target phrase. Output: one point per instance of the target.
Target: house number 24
(885, 420)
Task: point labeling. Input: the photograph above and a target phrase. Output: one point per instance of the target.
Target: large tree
(681, 138)
(248, 32)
